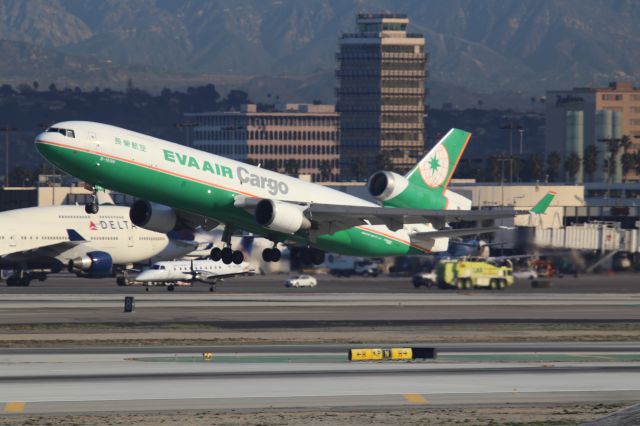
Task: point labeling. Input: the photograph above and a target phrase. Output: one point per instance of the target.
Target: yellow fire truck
(474, 273)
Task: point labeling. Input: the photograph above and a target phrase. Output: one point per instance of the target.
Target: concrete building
(581, 117)
(381, 95)
(302, 136)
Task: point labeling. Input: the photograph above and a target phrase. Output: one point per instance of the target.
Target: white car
(301, 281)
(530, 274)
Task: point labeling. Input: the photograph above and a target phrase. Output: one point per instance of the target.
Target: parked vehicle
(301, 281)
(425, 279)
(348, 265)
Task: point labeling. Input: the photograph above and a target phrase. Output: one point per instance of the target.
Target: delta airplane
(48, 239)
(203, 271)
(175, 182)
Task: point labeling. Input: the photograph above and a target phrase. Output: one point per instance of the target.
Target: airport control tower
(381, 95)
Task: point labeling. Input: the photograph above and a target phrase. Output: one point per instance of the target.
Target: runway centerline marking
(14, 407)
(414, 398)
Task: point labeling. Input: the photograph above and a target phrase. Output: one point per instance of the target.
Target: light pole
(511, 126)
(6, 129)
(187, 125)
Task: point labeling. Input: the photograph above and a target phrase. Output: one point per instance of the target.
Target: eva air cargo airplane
(178, 184)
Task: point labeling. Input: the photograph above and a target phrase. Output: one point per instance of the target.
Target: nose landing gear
(92, 206)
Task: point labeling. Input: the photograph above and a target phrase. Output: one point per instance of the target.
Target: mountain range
(494, 50)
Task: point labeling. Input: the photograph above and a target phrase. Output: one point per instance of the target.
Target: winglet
(74, 236)
(542, 205)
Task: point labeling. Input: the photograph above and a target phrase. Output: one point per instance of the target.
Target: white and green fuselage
(209, 185)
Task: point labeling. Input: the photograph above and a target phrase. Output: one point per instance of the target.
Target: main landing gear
(271, 254)
(226, 254)
(92, 205)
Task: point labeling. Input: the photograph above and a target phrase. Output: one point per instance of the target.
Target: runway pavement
(65, 283)
(299, 309)
(259, 377)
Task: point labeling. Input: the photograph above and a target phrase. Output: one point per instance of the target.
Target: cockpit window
(64, 132)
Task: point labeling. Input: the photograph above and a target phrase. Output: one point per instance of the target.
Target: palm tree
(359, 167)
(291, 167)
(554, 161)
(325, 170)
(383, 161)
(590, 161)
(572, 165)
(628, 161)
(534, 169)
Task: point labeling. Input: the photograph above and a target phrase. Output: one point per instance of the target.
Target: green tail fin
(542, 205)
(435, 169)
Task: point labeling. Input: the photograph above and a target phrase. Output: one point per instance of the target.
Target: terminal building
(381, 93)
(300, 139)
(582, 118)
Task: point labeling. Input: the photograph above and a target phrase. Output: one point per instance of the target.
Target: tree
(493, 172)
(270, 165)
(534, 171)
(628, 161)
(292, 167)
(590, 161)
(326, 170)
(359, 167)
(383, 161)
(572, 165)
(554, 161)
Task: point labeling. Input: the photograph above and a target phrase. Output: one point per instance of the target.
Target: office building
(381, 94)
(578, 118)
(301, 139)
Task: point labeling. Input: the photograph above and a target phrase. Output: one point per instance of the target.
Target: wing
(341, 217)
(195, 220)
(208, 276)
(451, 233)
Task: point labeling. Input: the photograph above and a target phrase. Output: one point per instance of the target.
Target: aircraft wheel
(227, 255)
(276, 255)
(216, 254)
(237, 257)
(266, 255)
(91, 208)
(171, 288)
(121, 281)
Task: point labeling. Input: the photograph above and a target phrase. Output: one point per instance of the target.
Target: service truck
(348, 265)
(474, 273)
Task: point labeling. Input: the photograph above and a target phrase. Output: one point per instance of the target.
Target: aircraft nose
(145, 276)
(39, 138)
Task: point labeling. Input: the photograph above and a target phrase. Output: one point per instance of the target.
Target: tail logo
(435, 167)
(92, 226)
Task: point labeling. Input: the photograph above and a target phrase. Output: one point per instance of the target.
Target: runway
(65, 283)
(258, 378)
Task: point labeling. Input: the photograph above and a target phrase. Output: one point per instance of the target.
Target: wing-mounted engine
(152, 216)
(281, 216)
(94, 264)
(395, 190)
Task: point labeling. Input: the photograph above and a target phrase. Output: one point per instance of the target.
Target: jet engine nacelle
(152, 216)
(395, 190)
(94, 264)
(281, 216)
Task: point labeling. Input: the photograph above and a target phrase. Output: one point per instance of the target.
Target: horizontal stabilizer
(451, 233)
